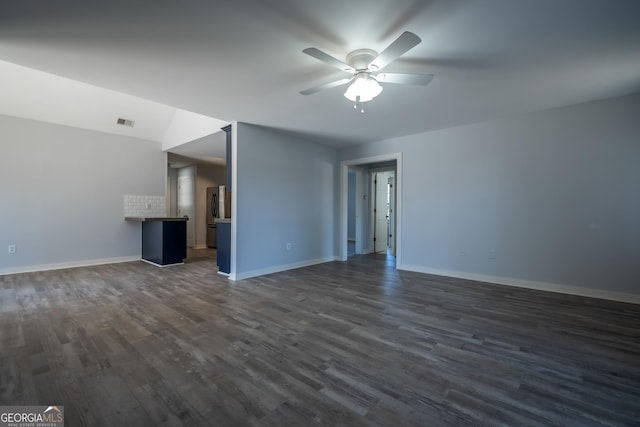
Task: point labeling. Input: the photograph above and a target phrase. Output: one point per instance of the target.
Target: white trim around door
(344, 192)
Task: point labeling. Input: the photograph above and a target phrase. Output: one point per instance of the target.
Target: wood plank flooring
(337, 344)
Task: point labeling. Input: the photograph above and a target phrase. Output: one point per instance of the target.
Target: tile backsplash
(144, 206)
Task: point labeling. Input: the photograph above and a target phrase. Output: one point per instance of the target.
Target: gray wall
(285, 193)
(62, 189)
(549, 198)
(187, 200)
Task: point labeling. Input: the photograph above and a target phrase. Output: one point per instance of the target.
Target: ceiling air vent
(125, 122)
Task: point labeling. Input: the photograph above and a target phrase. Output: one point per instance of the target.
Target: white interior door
(392, 214)
(381, 218)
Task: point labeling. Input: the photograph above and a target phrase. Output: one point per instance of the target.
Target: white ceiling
(242, 59)
(42, 96)
(210, 149)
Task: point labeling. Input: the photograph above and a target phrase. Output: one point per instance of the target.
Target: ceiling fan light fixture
(363, 89)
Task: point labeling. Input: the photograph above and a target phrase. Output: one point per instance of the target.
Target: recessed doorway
(360, 198)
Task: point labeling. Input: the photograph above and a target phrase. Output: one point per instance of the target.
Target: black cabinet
(223, 237)
(164, 242)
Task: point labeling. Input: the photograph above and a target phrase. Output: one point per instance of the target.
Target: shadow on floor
(201, 255)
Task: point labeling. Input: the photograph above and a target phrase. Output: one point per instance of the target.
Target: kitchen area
(198, 188)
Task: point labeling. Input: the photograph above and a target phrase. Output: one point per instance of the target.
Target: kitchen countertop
(222, 220)
(155, 218)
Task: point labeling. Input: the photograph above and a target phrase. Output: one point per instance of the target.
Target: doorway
(364, 194)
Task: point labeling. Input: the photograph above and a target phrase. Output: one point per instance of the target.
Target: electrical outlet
(492, 254)
(11, 249)
(288, 246)
(148, 205)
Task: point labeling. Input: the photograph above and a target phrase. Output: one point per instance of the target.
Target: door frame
(344, 206)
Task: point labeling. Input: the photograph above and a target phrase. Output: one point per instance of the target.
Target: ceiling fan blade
(328, 59)
(402, 44)
(404, 79)
(326, 86)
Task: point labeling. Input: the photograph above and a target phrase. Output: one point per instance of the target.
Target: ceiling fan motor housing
(361, 58)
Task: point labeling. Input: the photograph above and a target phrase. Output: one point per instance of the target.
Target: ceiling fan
(365, 66)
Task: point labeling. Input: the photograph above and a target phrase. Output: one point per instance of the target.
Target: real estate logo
(31, 416)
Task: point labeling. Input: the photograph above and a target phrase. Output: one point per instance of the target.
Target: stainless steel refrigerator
(213, 206)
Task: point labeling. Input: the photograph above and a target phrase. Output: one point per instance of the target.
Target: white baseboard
(529, 284)
(279, 268)
(161, 265)
(71, 264)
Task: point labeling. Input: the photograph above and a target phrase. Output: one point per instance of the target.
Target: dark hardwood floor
(353, 343)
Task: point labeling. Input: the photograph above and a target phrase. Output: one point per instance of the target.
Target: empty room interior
(363, 213)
